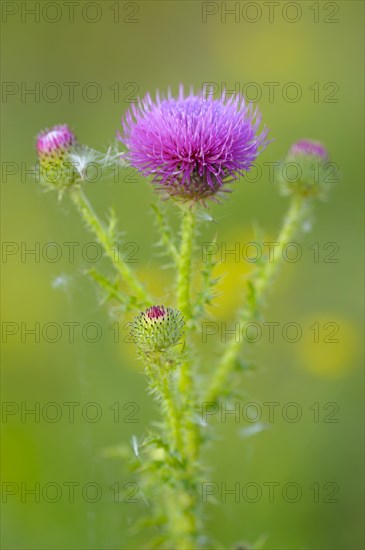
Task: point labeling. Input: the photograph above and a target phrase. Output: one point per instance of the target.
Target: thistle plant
(192, 148)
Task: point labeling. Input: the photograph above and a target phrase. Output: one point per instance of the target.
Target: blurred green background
(129, 49)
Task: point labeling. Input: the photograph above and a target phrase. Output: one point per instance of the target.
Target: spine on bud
(157, 329)
(53, 148)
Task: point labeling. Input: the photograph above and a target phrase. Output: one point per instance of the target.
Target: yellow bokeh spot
(329, 345)
(237, 255)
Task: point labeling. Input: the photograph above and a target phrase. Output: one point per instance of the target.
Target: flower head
(157, 328)
(306, 170)
(53, 148)
(192, 145)
(309, 148)
(55, 142)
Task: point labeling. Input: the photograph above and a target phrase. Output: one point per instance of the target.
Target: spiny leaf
(110, 289)
(112, 225)
(207, 292)
(251, 296)
(167, 241)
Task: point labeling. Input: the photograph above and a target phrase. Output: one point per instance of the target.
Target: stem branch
(96, 226)
(296, 215)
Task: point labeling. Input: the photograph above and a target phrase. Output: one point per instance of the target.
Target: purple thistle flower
(310, 148)
(156, 312)
(192, 145)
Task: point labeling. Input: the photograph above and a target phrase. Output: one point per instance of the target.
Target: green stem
(298, 211)
(180, 494)
(182, 519)
(95, 225)
(190, 427)
(184, 304)
(184, 276)
(159, 367)
(184, 499)
(185, 264)
(172, 413)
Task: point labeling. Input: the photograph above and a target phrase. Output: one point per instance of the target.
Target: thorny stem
(296, 216)
(185, 264)
(181, 502)
(95, 225)
(184, 503)
(158, 367)
(184, 304)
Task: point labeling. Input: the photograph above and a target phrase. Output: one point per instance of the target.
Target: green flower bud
(307, 171)
(157, 329)
(53, 148)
